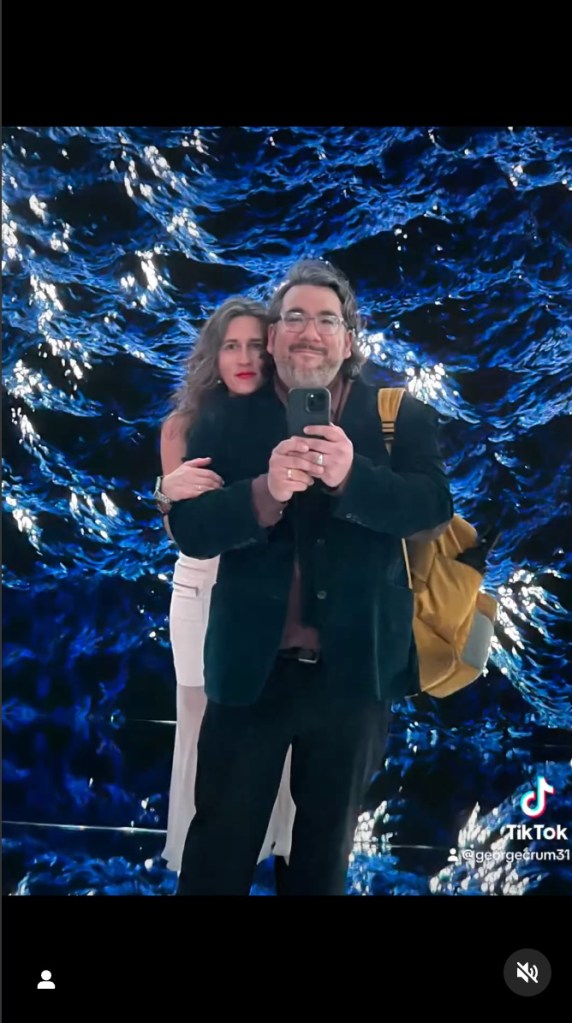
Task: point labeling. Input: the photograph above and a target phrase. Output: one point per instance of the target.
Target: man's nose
(310, 332)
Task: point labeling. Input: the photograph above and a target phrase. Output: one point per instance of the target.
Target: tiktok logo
(527, 802)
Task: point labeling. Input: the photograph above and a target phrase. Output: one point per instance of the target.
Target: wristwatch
(163, 503)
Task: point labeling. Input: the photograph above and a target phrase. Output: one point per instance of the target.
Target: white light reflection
(45, 293)
(46, 296)
(39, 208)
(480, 865)
(519, 598)
(515, 174)
(10, 243)
(149, 271)
(110, 508)
(25, 426)
(182, 220)
(25, 380)
(426, 383)
(58, 245)
(195, 142)
(24, 520)
(160, 168)
(364, 841)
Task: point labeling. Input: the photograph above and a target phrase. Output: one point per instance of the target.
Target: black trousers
(337, 744)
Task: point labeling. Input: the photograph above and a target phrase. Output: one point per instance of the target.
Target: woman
(229, 359)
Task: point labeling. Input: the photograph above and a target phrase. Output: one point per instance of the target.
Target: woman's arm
(224, 519)
(173, 443)
(182, 480)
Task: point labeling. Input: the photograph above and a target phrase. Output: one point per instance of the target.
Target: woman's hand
(190, 480)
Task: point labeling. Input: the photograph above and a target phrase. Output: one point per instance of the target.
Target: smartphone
(308, 406)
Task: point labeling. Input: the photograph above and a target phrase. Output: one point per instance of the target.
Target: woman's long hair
(202, 378)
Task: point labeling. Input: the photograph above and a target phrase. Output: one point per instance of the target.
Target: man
(310, 628)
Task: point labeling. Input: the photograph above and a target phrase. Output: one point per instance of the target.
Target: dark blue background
(117, 244)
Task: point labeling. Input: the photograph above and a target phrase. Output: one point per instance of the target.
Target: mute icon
(527, 972)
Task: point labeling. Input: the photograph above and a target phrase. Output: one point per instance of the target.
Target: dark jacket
(354, 583)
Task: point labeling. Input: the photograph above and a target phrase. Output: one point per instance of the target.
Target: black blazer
(354, 583)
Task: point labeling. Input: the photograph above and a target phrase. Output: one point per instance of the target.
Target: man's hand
(335, 452)
(291, 470)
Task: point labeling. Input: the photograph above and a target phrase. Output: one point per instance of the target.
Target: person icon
(46, 981)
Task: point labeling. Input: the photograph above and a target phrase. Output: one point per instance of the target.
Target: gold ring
(320, 459)
(289, 474)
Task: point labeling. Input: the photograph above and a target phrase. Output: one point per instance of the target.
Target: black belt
(298, 653)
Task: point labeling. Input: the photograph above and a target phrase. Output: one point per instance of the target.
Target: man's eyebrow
(323, 312)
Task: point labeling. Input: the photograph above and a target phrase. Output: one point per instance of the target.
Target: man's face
(312, 356)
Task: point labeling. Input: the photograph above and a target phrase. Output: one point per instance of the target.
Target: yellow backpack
(453, 620)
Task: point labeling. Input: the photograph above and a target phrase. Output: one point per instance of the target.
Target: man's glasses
(326, 324)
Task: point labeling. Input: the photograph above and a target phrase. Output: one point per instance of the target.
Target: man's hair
(321, 274)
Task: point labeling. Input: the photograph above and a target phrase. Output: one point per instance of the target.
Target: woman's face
(240, 359)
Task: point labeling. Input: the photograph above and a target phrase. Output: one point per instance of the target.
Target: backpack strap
(388, 405)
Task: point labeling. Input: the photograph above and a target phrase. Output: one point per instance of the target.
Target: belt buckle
(312, 659)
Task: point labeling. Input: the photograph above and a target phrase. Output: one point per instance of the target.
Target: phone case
(299, 416)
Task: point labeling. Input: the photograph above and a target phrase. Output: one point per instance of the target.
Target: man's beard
(295, 375)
